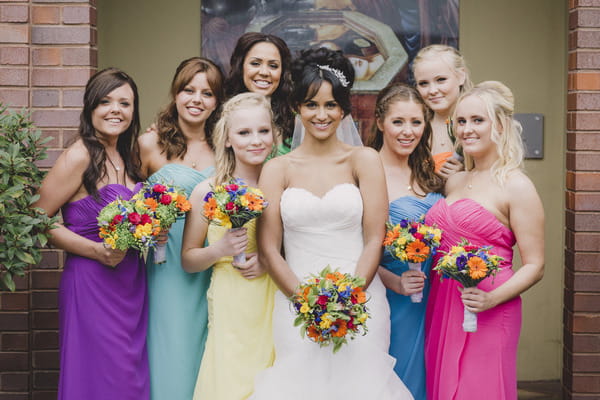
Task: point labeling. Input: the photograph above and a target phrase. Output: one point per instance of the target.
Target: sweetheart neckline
(480, 206)
(326, 192)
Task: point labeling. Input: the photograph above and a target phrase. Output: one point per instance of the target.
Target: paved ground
(540, 390)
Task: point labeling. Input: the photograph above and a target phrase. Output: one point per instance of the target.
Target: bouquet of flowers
(469, 265)
(330, 308)
(166, 203)
(413, 242)
(126, 225)
(233, 205)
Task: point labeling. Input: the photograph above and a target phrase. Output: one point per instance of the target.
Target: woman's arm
(194, 256)
(371, 181)
(270, 228)
(63, 184)
(526, 217)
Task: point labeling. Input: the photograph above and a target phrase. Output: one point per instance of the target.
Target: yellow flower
(112, 241)
(142, 230)
(305, 308)
(457, 249)
(325, 321)
(401, 241)
(174, 196)
(140, 204)
(363, 317)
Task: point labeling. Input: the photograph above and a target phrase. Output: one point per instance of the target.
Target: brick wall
(47, 53)
(581, 360)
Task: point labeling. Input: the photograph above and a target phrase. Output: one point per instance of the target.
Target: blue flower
(461, 262)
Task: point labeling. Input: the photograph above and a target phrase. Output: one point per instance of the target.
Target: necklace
(194, 164)
(116, 168)
(470, 179)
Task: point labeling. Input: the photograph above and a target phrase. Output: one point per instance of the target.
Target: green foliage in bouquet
(23, 228)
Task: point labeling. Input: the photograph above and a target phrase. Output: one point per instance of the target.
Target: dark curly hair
(420, 160)
(312, 67)
(99, 86)
(170, 138)
(234, 84)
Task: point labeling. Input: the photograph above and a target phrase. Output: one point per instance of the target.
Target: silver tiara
(338, 74)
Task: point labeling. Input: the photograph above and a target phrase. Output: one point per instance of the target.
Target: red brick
(46, 56)
(583, 141)
(56, 118)
(586, 384)
(49, 15)
(69, 137)
(586, 302)
(73, 98)
(586, 323)
(84, 56)
(586, 201)
(14, 97)
(49, 162)
(14, 301)
(14, 13)
(13, 362)
(45, 279)
(578, 101)
(584, 18)
(14, 55)
(585, 39)
(14, 33)
(14, 382)
(45, 340)
(44, 300)
(45, 379)
(50, 258)
(583, 161)
(54, 135)
(77, 14)
(582, 343)
(44, 395)
(583, 222)
(588, 181)
(584, 81)
(582, 262)
(14, 321)
(60, 77)
(586, 3)
(45, 319)
(582, 241)
(61, 35)
(587, 59)
(47, 359)
(14, 77)
(14, 341)
(45, 98)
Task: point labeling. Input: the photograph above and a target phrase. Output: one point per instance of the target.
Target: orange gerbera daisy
(151, 203)
(390, 236)
(342, 328)
(417, 251)
(359, 295)
(255, 203)
(183, 204)
(477, 268)
(210, 207)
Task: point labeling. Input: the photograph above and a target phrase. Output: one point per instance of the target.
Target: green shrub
(23, 228)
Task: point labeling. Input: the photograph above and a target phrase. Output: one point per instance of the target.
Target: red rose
(165, 199)
(322, 300)
(135, 218)
(146, 219)
(418, 235)
(470, 248)
(158, 188)
(117, 219)
(229, 206)
(232, 188)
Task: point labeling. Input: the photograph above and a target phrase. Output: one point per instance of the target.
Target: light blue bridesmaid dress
(408, 319)
(178, 314)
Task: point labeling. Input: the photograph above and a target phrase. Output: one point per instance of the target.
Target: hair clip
(338, 74)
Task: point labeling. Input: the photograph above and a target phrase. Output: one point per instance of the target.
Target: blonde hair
(506, 131)
(450, 55)
(224, 156)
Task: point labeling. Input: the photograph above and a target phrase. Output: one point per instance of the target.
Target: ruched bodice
(308, 221)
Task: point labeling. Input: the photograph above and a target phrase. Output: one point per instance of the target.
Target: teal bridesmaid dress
(178, 313)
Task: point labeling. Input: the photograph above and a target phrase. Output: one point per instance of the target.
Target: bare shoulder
(519, 184)
(455, 181)
(276, 167)
(364, 154)
(148, 140)
(203, 188)
(76, 157)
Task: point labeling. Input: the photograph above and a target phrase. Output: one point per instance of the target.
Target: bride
(328, 206)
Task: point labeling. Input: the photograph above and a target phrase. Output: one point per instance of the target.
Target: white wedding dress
(320, 232)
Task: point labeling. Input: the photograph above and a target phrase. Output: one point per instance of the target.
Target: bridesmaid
(102, 294)
(240, 297)
(402, 136)
(180, 152)
(260, 63)
(441, 75)
(491, 203)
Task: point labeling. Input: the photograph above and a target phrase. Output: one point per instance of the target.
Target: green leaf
(8, 281)
(25, 257)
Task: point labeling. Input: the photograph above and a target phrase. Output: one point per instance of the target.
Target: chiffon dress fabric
(440, 159)
(321, 231)
(103, 314)
(482, 364)
(240, 333)
(407, 339)
(178, 313)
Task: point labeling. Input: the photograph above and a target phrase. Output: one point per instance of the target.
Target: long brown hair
(420, 160)
(98, 87)
(170, 138)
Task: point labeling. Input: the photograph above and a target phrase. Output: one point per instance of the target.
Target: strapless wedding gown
(321, 231)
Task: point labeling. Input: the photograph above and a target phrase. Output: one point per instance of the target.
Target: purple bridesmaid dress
(103, 315)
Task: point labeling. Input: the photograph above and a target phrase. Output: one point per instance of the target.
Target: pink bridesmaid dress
(482, 364)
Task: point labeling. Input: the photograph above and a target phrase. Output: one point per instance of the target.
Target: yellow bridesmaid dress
(240, 334)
